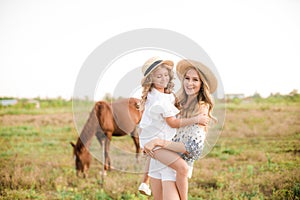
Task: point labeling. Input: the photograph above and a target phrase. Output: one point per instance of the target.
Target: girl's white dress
(158, 106)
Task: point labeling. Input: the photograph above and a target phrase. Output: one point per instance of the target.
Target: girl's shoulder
(160, 95)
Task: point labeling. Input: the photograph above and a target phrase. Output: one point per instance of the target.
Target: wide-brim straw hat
(152, 64)
(209, 76)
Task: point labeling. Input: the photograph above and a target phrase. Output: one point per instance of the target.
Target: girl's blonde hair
(204, 99)
(147, 85)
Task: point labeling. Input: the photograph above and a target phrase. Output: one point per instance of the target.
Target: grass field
(256, 157)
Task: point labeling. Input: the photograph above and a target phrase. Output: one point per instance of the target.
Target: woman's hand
(203, 119)
(149, 146)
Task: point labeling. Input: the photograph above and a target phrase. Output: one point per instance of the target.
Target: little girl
(159, 122)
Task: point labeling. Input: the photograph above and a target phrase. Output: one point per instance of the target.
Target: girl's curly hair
(147, 85)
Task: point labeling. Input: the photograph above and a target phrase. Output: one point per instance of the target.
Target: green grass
(257, 156)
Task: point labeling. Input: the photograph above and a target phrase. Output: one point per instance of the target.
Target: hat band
(152, 66)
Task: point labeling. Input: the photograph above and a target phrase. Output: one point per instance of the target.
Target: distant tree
(294, 92)
(108, 97)
(276, 95)
(294, 96)
(256, 95)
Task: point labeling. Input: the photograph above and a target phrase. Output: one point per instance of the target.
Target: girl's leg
(174, 161)
(170, 191)
(157, 189)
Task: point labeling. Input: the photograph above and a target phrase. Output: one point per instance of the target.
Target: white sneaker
(145, 189)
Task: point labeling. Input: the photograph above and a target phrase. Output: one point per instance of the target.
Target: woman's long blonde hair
(147, 85)
(204, 98)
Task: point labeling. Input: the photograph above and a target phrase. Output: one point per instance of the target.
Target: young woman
(197, 84)
(159, 122)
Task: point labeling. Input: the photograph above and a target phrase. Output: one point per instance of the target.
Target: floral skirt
(193, 137)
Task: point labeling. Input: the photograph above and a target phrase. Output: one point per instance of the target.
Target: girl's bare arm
(174, 122)
(169, 145)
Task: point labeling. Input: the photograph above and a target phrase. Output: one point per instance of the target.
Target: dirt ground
(37, 120)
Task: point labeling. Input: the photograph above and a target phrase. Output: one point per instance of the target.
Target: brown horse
(117, 119)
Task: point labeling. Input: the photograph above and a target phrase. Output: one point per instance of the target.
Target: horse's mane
(89, 130)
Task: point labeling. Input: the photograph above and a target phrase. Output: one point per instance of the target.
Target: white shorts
(160, 171)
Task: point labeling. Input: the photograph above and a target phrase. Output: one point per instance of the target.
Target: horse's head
(82, 158)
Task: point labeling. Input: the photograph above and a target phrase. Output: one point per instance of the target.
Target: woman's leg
(174, 161)
(170, 191)
(146, 170)
(144, 186)
(157, 189)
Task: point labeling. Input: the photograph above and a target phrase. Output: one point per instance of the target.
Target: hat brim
(209, 76)
(167, 62)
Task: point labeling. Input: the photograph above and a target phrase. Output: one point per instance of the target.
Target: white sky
(255, 44)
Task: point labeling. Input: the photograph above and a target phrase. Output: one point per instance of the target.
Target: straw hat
(209, 76)
(152, 64)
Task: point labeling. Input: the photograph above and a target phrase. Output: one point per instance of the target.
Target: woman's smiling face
(192, 82)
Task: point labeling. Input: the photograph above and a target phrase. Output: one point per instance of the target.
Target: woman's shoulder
(203, 104)
(203, 107)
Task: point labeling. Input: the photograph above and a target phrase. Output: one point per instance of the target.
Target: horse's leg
(135, 137)
(102, 141)
(106, 149)
(85, 170)
(100, 137)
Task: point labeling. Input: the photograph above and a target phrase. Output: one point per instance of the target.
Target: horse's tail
(104, 115)
(135, 103)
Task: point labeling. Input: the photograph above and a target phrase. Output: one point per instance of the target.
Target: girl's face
(160, 78)
(192, 82)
